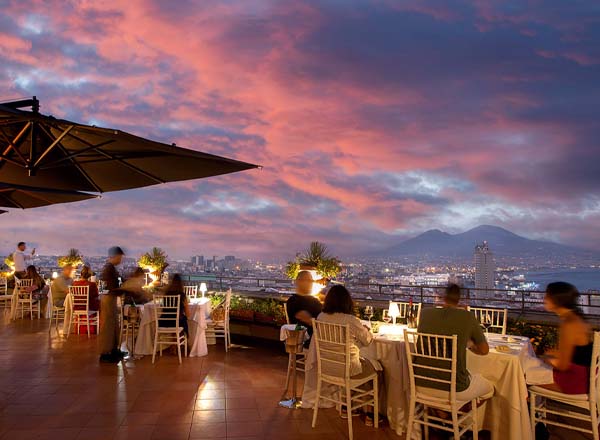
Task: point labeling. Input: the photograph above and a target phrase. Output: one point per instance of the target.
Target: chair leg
(154, 350)
(455, 426)
(411, 418)
(376, 402)
(179, 347)
(532, 413)
(185, 345)
(475, 428)
(349, 410)
(594, 415)
(87, 320)
(425, 426)
(316, 404)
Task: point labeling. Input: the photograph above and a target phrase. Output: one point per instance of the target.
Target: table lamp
(54, 275)
(394, 311)
(203, 289)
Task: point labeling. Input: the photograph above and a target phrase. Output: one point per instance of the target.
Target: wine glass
(369, 312)
(387, 318)
(487, 322)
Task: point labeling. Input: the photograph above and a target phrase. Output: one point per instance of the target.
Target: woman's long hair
(176, 285)
(564, 295)
(338, 300)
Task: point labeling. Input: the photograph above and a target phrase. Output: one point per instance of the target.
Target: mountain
(435, 243)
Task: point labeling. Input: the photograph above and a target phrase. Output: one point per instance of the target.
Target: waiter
(109, 327)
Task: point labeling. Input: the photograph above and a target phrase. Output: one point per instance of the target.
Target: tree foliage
(155, 260)
(316, 255)
(73, 257)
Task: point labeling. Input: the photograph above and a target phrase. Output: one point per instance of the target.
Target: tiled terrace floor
(52, 388)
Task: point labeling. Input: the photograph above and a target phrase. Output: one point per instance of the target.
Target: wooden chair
(494, 318)
(81, 313)
(404, 307)
(25, 299)
(191, 291)
(585, 405)
(167, 329)
(333, 342)
(56, 313)
(218, 325)
(5, 298)
(432, 359)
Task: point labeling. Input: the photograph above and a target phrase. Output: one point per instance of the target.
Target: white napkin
(283, 332)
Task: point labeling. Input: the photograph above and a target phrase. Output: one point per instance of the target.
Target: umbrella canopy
(18, 196)
(42, 151)
(2, 211)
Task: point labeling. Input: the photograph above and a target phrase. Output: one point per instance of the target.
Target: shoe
(118, 353)
(109, 359)
(369, 420)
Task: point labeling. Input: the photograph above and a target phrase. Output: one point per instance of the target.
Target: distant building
(485, 267)
(198, 260)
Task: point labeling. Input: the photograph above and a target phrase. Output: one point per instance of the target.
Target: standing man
(109, 326)
(20, 259)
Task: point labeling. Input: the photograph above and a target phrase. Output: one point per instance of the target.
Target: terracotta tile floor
(52, 388)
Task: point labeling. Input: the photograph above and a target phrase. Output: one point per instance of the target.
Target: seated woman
(94, 300)
(572, 359)
(339, 309)
(38, 288)
(176, 288)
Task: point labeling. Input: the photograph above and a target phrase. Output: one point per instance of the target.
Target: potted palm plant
(315, 258)
(73, 257)
(154, 261)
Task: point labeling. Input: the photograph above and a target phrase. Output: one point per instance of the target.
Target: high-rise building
(198, 260)
(485, 267)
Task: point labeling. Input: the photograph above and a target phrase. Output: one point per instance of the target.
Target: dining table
(200, 309)
(506, 415)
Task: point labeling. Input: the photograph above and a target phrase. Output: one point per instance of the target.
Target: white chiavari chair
(167, 329)
(432, 361)
(57, 313)
(333, 344)
(25, 300)
(5, 298)
(495, 319)
(572, 407)
(191, 291)
(81, 313)
(217, 326)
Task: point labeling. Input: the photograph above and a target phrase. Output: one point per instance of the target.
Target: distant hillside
(435, 243)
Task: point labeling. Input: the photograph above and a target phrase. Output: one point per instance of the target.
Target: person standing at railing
(20, 259)
(572, 359)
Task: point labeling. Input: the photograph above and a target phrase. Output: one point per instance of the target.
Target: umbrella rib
(110, 156)
(54, 144)
(78, 153)
(14, 141)
(79, 168)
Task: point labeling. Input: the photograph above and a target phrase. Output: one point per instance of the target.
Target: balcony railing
(521, 302)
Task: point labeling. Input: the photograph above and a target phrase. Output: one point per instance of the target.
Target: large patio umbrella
(41, 151)
(18, 196)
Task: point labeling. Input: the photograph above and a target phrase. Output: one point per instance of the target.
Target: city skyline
(374, 121)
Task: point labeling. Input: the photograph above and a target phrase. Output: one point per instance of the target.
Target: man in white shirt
(20, 259)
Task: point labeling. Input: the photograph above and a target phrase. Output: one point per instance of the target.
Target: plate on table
(503, 349)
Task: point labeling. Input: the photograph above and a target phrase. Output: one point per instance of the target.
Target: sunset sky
(374, 120)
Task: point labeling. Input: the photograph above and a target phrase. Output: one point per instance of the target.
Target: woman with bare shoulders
(572, 358)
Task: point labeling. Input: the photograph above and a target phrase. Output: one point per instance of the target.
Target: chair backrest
(3, 285)
(431, 361)
(332, 342)
(191, 291)
(496, 318)
(81, 297)
(25, 282)
(227, 304)
(404, 307)
(595, 370)
(166, 308)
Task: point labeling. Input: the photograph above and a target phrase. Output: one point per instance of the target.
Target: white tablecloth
(506, 416)
(199, 308)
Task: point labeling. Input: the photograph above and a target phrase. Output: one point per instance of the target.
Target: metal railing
(520, 302)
